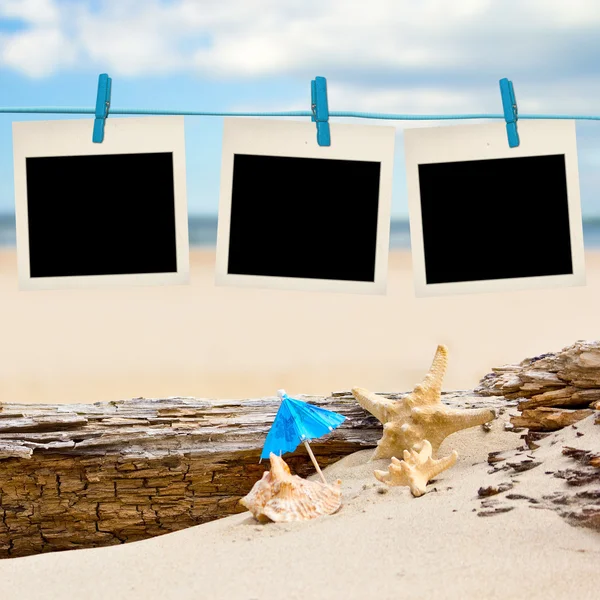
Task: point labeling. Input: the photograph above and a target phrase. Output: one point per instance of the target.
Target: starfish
(416, 469)
(420, 415)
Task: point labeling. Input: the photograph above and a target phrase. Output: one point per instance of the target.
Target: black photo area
(495, 219)
(101, 215)
(307, 218)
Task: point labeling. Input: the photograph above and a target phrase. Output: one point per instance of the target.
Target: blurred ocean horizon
(203, 232)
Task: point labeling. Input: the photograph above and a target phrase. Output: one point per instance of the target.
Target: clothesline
(292, 113)
(319, 112)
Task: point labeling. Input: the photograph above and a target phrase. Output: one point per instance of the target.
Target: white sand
(380, 546)
(213, 342)
(205, 341)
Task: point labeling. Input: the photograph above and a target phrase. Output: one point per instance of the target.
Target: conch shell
(282, 497)
(416, 469)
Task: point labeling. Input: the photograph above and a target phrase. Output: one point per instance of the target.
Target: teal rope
(296, 113)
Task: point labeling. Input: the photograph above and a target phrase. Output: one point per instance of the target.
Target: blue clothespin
(320, 110)
(509, 104)
(102, 106)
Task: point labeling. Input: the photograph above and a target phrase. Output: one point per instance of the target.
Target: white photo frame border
(268, 137)
(73, 137)
(544, 137)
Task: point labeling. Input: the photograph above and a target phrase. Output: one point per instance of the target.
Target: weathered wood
(84, 475)
(567, 382)
(581, 507)
(79, 476)
(564, 397)
(549, 419)
(576, 366)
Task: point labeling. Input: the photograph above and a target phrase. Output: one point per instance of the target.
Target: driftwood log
(554, 389)
(79, 476)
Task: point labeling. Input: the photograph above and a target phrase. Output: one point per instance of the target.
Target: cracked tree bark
(80, 476)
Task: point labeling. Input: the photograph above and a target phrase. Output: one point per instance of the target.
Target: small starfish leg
(437, 466)
(383, 476)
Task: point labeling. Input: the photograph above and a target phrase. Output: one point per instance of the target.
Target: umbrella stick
(314, 460)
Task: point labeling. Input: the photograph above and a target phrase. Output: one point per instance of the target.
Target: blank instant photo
(294, 215)
(101, 214)
(485, 217)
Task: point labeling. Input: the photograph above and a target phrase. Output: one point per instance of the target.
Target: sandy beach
(204, 341)
(391, 545)
(64, 346)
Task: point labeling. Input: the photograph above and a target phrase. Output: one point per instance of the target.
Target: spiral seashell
(282, 497)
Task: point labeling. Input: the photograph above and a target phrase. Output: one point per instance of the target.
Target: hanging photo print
(294, 215)
(101, 214)
(485, 217)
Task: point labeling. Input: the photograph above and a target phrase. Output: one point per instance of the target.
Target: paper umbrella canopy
(298, 422)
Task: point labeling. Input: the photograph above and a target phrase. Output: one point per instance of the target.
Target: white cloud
(35, 12)
(386, 46)
(129, 43)
(566, 14)
(38, 52)
(41, 48)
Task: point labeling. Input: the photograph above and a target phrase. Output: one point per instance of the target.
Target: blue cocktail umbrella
(297, 422)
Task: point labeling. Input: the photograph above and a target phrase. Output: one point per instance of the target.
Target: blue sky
(393, 56)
